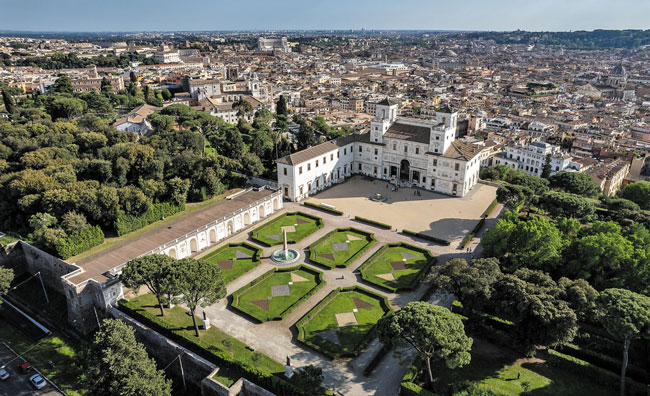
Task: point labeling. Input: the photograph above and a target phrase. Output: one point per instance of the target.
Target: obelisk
(284, 235)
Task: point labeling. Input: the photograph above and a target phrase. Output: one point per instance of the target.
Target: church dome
(619, 70)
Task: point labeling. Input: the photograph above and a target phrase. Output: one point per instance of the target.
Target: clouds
(120, 15)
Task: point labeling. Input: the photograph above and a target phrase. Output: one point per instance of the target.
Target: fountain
(285, 255)
(378, 198)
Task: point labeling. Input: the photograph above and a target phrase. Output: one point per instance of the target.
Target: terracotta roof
(387, 102)
(323, 148)
(462, 150)
(138, 114)
(411, 133)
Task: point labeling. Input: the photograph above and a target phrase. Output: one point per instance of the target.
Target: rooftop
(97, 265)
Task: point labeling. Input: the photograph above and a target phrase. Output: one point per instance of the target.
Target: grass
(277, 305)
(407, 278)
(66, 373)
(351, 338)
(189, 208)
(274, 227)
(239, 266)
(342, 258)
(181, 324)
(495, 368)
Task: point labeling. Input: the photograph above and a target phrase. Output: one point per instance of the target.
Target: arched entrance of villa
(405, 170)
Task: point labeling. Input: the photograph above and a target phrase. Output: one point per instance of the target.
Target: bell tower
(385, 115)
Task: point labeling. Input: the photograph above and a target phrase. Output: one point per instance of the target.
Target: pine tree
(10, 103)
(281, 107)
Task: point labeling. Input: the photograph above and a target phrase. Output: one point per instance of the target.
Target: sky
(177, 15)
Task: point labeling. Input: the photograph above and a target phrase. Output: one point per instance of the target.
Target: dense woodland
(589, 40)
(66, 173)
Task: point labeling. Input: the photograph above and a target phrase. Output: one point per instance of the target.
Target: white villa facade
(407, 152)
(531, 159)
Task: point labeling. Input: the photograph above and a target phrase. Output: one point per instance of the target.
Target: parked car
(37, 381)
(4, 374)
(26, 368)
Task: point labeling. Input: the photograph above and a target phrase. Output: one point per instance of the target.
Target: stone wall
(164, 351)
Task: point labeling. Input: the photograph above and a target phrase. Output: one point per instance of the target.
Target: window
(324, 160)
(456, 167)
(359, 166)
(300, 170)
(316, 163)
(376, 152)
(285, 171)
(417, 150)
(394, 147)
(435, 162)
(406, 148)
(375, 170)
(337, 154)
(308, 167)
(332, 156)
(360, 149)
(437, 137)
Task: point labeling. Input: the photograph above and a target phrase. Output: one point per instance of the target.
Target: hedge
(323, 208)
(379, 356)
(603, 361)
(370, 238)
(318, 307)
(221, 358)
(319, 284)
(595, 373)
(78, 243)
(471, 234)
(426, 237)
(416, 280)
(408, 387)
(373, 222)
(158, 211)
(490, 208)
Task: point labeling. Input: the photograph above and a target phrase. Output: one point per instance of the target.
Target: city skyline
(205, 15)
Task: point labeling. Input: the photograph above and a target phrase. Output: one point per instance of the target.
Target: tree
(234, 146)
(156, 271)
(539, 316)
(9, 102)
(433, 331)
(105, 87)
(63, 84)
(471, 284)
(120, 366)
(626, 316)
(305, 136)
(580, 296)
(133, 77)
(638, 193)
(282, 107)
(201, 284)
(575, 183)
(309, 377)
(251, 164)
(74, 223)
(512, 195)
(63, 107)
(41, 220)
(567, 204)
(6, 277)
(546, 169)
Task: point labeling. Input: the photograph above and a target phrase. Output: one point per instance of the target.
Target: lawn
(234, 259)
(496, 368)
(397, 266)
(340, 247)
(177, 321)
(66, 372)
(276, 293)
(299, 225)
(340, 324)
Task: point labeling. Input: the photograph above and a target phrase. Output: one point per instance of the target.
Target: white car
(37, 381)
(4, 374)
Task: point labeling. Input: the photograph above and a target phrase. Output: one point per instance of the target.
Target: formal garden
(397, 266)
(218, 346)
(234, 259)
(275, 294)
(340, 247)
(297, 224)
(340, 325)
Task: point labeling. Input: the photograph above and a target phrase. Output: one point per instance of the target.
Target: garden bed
(275, 294)
(234, 259)
(342, 324)
(340, 247)
(299, 225)
(397, 266)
